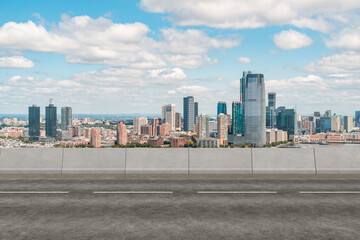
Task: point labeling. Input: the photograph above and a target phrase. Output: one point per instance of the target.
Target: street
(199, 207)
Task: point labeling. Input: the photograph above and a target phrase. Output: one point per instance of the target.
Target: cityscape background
(147, 52)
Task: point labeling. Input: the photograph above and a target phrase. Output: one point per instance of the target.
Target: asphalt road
(179, 208)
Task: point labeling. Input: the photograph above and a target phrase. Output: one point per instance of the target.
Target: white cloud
(338, 63)
(15, 62)
(244, 60)
(101, 41)
(192, 90)
(239, 14)
(347, 39)
(291, 39)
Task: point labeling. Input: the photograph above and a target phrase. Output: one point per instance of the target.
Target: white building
(168, 114)
(138, 122)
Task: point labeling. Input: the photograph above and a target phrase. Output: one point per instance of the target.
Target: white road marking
(237, 192)
(34, 192)
(133, 192)
(329, 192)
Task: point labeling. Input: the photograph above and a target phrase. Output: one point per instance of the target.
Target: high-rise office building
(221, 108)
(287, 121)
(95, 138)
(121, 134)
(50, 119)
(348, 123)
(156, 122)
(34, 122)
(66, 118)
(255, 109)
(271, 111)
(327, 113)
(146, 129)
(335, 123)
(189, 113)
(178, 121)
(138, 122)
(357, 118)
(203, 126)
(237, 118)
(196, 112)
(222, 128)
(317, 114)
(272, 99)
(168, 115)
(242, 86)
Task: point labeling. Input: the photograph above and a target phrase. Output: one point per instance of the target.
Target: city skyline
(146, 53)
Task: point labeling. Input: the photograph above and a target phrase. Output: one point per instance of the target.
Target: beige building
(95, 138)
(121, 132)
(222, 128)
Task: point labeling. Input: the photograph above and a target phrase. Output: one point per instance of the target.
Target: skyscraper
(335, 123)
(66, 118)
(50, 119)
(237, 118)
(189, 113)
(255, 119)
(270, 110)
(137, 122)
(34, 122)
(203, 126)
(287, 121)
(168, 115)
(357, 118)
(178, 121)
(121, 136)
(95, 138)
(221, 108)
(242, 86)
(196, 112)
(348, 123)
(222, 128)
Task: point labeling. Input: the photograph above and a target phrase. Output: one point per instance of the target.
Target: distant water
(345, 145)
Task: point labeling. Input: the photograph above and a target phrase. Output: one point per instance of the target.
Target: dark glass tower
(34, 122)
(50, 120)
(189, 113)
(237, 118)
(221, 108)
(196, 112)
(66, 118)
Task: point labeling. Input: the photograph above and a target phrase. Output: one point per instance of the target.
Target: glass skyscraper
(270, 110)
(237, 118)
(196, 112)
(189, 113)
(255, 109)
(357, 118)
(287, 121)
(50, 120)
(34, 122)
(66, 118)
(221, 108)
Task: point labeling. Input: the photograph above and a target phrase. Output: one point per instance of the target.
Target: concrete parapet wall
(157, 161)
(337, 160)
(182, 161)
(94, 161)
(283, 161)
(220, 161)
(30, 161)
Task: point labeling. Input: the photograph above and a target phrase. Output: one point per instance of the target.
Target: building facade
(203, 126)
(237, 118)
(50, 120)
(34, 122)
(138, 122)
(121, 134)
(254, 106)
(189, 113)
(221, 108)
(287, 121)
(95, 138)
(168, 115)
(222, 128)
(348, 123)
(66, 118)
(178, 121)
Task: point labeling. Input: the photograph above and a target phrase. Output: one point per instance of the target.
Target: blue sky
(117, 56)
